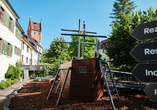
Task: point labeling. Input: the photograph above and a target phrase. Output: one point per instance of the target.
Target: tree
(89, 49)
(45, 59)
(121, 43)
(121, 7)
(58, 51)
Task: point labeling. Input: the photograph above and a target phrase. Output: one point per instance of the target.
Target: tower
(35, 30)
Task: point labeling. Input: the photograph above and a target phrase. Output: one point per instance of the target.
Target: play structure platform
(83, 80)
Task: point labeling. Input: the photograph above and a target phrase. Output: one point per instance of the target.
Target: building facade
(15, 46)
(10, 37)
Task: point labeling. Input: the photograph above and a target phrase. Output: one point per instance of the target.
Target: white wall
(9, 36)
(26, 54)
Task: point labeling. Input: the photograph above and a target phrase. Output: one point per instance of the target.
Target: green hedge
(2, 85)
(13, 72)
(7, 83)
(14, 81)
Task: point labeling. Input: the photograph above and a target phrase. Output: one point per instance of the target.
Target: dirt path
(33, 97)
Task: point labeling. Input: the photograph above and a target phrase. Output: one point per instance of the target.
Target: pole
(84, 39)
(79, 41)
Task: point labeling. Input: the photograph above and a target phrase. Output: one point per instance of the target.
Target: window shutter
(6, 19)
(11, 54)
(0, 5)
(17, 51)
(4, 47)
(15, 32)
(12, 25)
(3, 50)
(20, 36)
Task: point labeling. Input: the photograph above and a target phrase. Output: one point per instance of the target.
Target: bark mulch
(33, 97)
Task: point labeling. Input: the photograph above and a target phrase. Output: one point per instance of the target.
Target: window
(35, 60)
(8, 49)
(22, 58)
(15, 50)
(10, 23)
(18, 52)
(30, 61)
(30, 51)
(23, 45)
(1, 14)
(34, 33)
(39, 33)
(16, 33)
(27, 49)
(26, 59)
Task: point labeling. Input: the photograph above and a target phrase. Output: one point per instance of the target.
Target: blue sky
(65, 14)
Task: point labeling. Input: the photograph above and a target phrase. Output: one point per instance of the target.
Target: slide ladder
(58, 85)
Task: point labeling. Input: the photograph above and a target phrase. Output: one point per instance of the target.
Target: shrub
(18, 73)
(8, 82)
(48, 69)
(2, 85)
(10, 72)
(13, 72)
(14, 81)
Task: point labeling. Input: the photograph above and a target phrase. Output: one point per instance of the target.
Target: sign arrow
(151, 91)
(146, 72)
(145, 52)
(145, 31)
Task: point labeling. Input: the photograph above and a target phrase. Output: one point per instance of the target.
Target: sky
(65, 14)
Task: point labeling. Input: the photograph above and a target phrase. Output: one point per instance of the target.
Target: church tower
(35, 30)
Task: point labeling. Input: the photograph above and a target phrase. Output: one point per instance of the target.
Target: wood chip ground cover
(33, 97)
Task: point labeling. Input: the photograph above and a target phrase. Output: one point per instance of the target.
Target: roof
(9, 6)
(19, 27)
(36, 42)
(31, 41)
(36, 26)
(104, 41)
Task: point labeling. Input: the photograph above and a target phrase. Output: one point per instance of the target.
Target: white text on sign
(155, 91)
(148, 51)
(151, 73)
(150, 30)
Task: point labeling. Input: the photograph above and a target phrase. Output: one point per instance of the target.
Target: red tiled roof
(36, 26)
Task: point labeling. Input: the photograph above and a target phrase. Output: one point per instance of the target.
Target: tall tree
(121, 7)
(45, 59)
(121, 43)
(89, 49)
(58, 51)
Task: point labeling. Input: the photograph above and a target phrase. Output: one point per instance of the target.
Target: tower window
(34, 33)
(38, 33)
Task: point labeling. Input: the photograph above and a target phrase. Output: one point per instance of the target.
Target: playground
(33, 96)
(87, 83)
